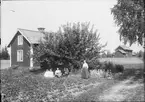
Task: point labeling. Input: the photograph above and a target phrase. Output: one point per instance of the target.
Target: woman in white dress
(85, 73)
(49, 74)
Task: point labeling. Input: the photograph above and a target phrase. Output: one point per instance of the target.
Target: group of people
(84, 72)
(58, 73)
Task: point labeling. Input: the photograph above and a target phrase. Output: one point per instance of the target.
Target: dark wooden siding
(129, 53)
(25, 47)
(119, 54)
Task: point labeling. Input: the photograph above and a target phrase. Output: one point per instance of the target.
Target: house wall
(25, 47)
(119, 54)
(129, 53)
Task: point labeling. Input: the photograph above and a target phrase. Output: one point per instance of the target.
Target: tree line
(4, 55)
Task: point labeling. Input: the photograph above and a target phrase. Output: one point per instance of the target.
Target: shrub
(4, 54)
(119, 68)
(109, 66)
(15, 66)
(94, 64)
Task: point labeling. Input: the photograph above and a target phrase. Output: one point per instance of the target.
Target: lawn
(130, 62)
(5, 64)
(127, 60)
(22, 85)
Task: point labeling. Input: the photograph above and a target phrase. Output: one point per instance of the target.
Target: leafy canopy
(129, 15)
(76, 42)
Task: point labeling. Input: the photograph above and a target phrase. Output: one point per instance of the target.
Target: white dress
(48, 74)
(85, 65)
(58, 73)
(85, 73)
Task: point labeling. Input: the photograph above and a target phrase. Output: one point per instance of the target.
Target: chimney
(41, 29)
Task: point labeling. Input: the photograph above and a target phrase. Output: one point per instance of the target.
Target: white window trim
(10, 56)
(31, 58)
(19, 55)
(20, 40)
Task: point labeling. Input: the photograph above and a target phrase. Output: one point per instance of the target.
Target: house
(123, 51)
(23, 42)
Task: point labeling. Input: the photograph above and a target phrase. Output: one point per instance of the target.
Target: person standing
(84, 72)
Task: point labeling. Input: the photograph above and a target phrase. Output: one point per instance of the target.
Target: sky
(52, 14)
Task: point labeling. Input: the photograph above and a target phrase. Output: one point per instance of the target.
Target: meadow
(21, 85)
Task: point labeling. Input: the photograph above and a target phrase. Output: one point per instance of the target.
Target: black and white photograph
(72, 50)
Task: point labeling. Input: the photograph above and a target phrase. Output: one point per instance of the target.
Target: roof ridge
(126, 47)
(27, 30)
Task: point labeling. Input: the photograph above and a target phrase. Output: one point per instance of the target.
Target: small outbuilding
(123, 51)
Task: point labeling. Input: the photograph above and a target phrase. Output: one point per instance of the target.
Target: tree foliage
(129, 15)
(71, 44)
(4, 54)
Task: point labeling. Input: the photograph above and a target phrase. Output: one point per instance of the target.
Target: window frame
(20, 40)
(20, 56)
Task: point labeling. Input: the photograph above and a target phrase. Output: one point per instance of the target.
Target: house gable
(30, 39)
(14, 49)
(123, 51)
(15, 37)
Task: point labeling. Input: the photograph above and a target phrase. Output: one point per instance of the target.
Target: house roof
(121, 51)
(125, 47)
(33, 37)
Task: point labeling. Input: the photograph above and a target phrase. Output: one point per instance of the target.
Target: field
(127, 62)
(5, 64)
(21, 85)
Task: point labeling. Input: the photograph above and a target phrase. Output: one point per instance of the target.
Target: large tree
(71, 43)
(129, 15)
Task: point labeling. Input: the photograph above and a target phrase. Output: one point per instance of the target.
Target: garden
(68, 48)
(21, 85)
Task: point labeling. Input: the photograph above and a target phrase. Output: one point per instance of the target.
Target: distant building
(23, 42)
(123, 51)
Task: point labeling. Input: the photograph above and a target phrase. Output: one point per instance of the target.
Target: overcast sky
(52, 14)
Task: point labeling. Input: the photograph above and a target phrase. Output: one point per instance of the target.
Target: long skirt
(85, 73)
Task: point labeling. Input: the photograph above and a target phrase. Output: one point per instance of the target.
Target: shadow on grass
(38, 71)
(135, 74)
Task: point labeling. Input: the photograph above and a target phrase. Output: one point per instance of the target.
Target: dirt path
(111, 90)
(121, 91)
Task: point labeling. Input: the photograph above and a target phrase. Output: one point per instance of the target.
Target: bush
(4, 54)
(15, 66)
(119, 68)
(94, 64)
(111, 67)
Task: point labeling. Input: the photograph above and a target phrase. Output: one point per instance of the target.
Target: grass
(5, 64)
(128, 60)
(22, 85)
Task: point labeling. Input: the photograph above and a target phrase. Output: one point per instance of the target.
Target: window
(19, 55)
(20, 40)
